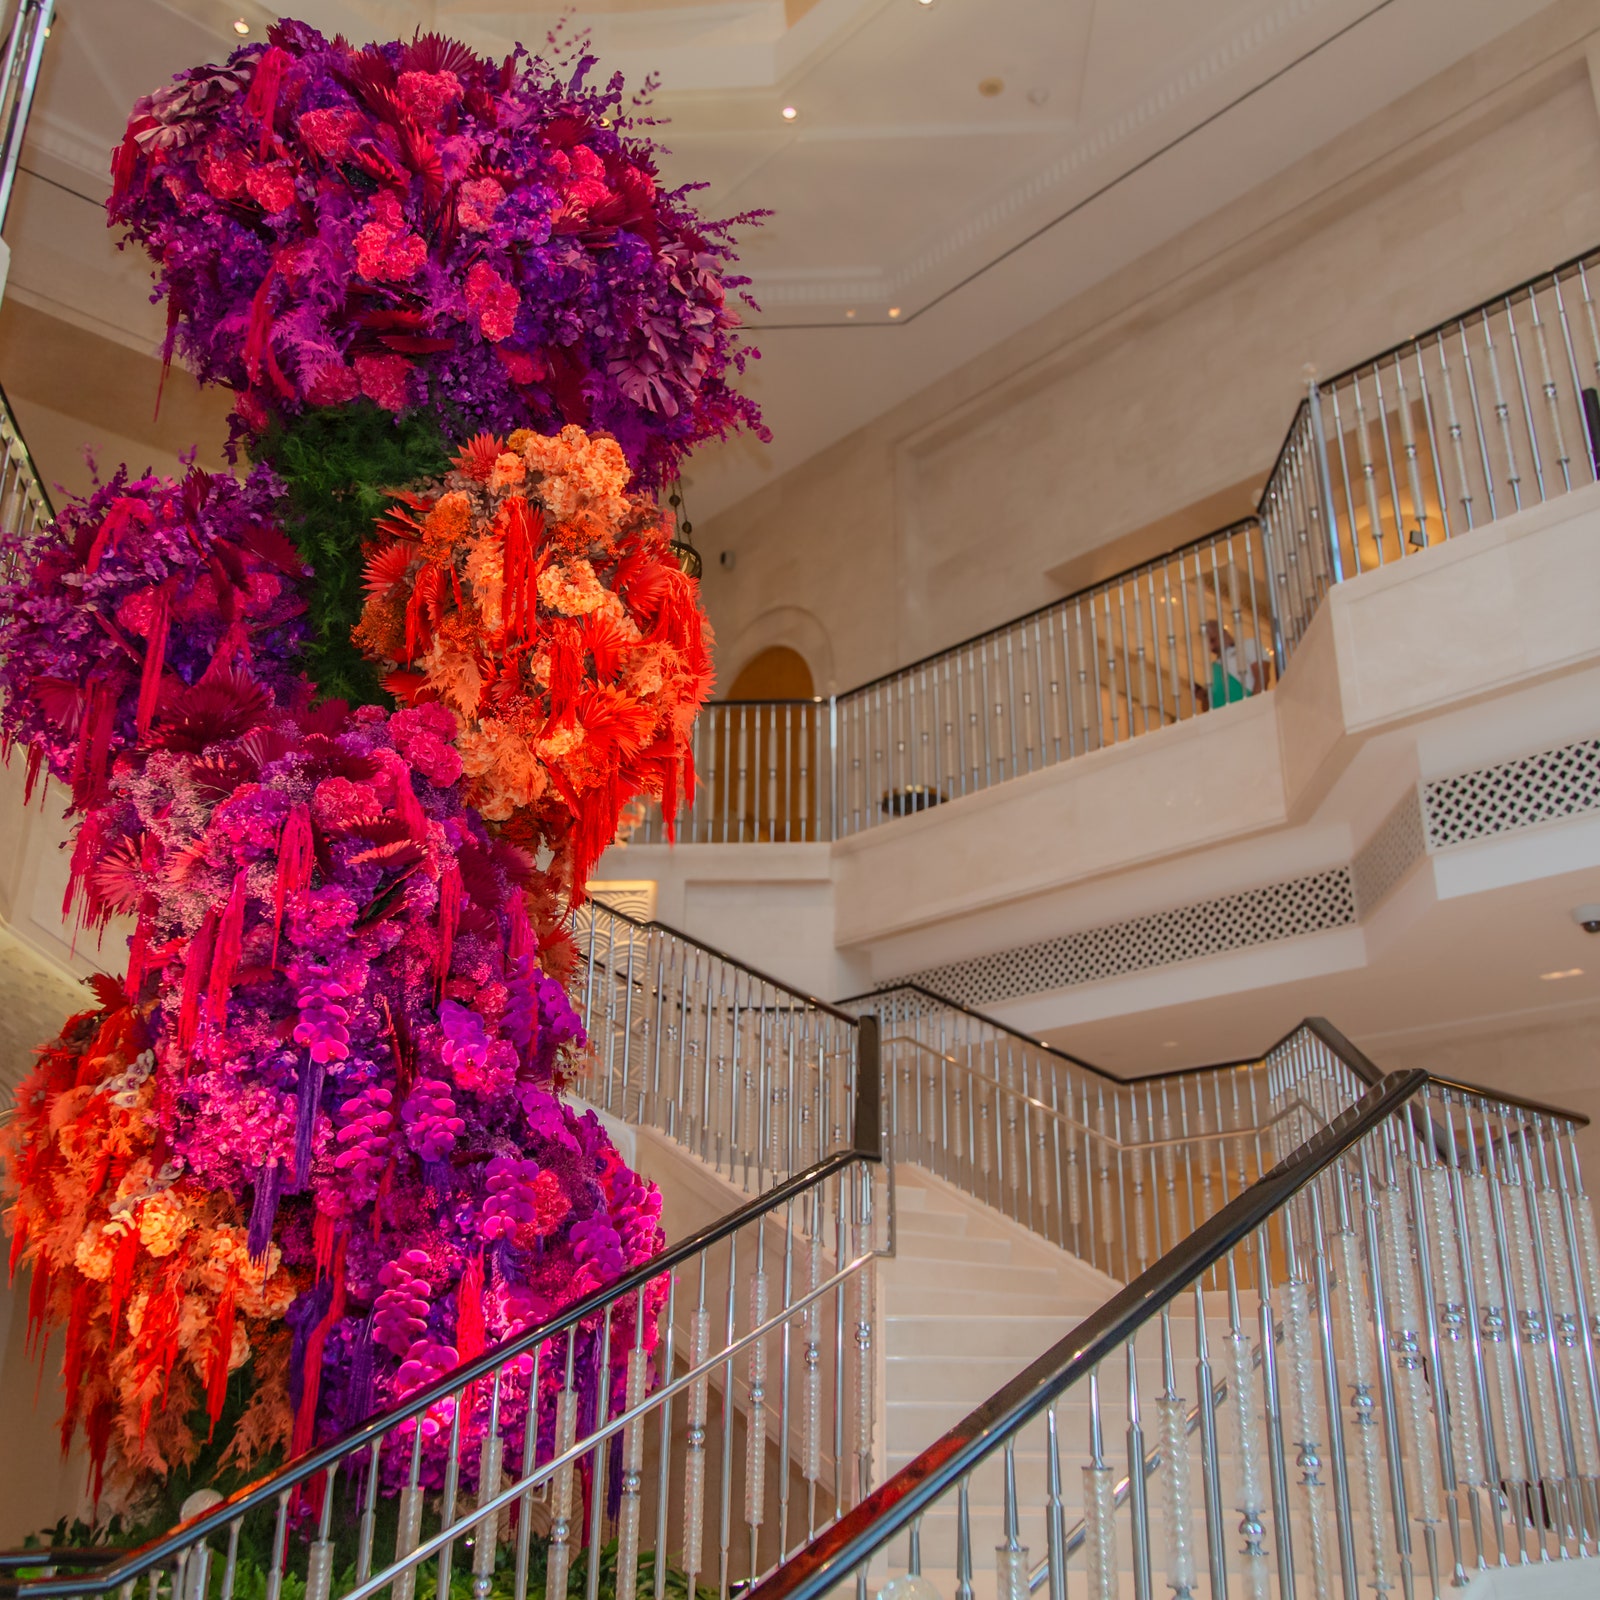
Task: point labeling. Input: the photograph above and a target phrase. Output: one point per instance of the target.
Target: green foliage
(337, 464)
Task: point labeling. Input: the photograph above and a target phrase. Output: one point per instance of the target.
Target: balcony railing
(1490, 412)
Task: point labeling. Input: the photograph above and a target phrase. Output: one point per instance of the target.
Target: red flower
(271, 186)
(328, 132)
(386, 248)
(384, 379)
(333, 385)
(223, 170)
(476, 204)
(495, 300)
(428, 95)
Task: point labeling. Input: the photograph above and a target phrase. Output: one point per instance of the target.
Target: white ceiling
(898, 185)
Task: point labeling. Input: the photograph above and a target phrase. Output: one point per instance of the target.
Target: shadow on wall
(38, 1485)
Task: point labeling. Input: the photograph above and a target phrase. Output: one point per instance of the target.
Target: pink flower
(271, 186)
(223, 170)
(425, 736)
(328, 132)
(332, 385)
(494, 299)
(428, 95)
(477, 202)
(384, 379)
(386, 248)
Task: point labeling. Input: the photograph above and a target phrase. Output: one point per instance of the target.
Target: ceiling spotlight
(990, 87)
(851, 312)
(240, 26)
(894, 311)
(790, 113)
(924, 2)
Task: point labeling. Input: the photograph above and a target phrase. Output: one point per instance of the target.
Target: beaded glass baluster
(1099, 1509)
(1174, 1421)
(811, 1385)
(1305, 1424)
(1455, 1355)
(485, 1533)
(1360, 1365)
(1492, 1314)
(1418, 1429)
(1527, 1305)
(694, 1454)
(1245, 1414)
(755, 1470)
(865, 1361)
(1567, 1328)
(559, 1559)
(630, 1501)
(408, 1522)
(319, 1558)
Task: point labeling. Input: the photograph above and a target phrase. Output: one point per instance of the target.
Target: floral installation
(144, 591)
(409, 222)
(536, 598)
(149, 1275)
(311, 1152)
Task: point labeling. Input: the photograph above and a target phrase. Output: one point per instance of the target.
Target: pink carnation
(384, 379)
(328, 132)
(425, 736)
(495, 300)
(428, 95)
(332, 385)
(223, 170)
(386, 248)
(477, 203)
(271, 186)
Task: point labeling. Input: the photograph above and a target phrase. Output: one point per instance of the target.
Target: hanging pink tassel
(296, 853)
(195, 968)
(471, 1331)
(155, 658)
(449, 918)
(262, 101)
(225, 956)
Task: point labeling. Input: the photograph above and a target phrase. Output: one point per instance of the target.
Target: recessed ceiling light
(790, 113)
(990, 87)
(924, 2)
(851, 312)
(1169, 1044)
(240, 26)
(894, 311)
(1571, 972)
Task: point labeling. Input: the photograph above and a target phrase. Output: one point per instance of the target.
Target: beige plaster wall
(1176, 382)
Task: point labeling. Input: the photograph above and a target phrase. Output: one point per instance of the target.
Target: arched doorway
(776, 673)
(765, 741)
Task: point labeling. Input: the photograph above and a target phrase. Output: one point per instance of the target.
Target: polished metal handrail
(892, 1507)
(274, 1489)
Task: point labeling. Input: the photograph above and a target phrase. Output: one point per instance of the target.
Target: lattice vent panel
(1545, 787)
(1312, 904)
(1390, 853)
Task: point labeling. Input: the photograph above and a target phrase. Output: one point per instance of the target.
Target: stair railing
(19, 77)
(1403, 1311)
(751, 1075)
(719, 1400)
